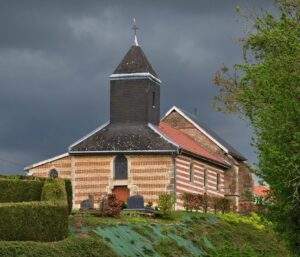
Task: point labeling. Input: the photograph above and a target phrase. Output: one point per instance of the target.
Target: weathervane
(135, 28)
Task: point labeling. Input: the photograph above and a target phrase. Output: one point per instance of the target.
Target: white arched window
(120, 167)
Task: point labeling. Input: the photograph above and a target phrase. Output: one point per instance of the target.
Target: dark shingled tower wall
(134, 99)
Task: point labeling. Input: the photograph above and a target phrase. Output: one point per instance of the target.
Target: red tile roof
(187, 143)
(261, 191)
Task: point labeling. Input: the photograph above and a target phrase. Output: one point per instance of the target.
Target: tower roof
(135, 61)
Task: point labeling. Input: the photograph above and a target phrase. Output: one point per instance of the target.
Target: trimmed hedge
(45, 220)
(19, 190)
(33, 221)
(75, 247)
(68, 186)
(55, 191)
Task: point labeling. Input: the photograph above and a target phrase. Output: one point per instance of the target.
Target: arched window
(191, 171)
(218, 182)
(120, 167)
(205, 177)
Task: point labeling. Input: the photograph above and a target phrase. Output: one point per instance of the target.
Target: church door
(121, 192)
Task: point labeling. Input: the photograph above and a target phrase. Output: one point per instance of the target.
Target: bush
(18, 190)
(72, 247)
(68, 186)
(192, 201)
(223, 204)
(54, 190)
(195, 202)
(166, 203)
(110, 206)
(33, 221)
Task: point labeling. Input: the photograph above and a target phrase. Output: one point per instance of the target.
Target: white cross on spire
(135, 28)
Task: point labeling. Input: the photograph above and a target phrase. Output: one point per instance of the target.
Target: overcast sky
(56, 56)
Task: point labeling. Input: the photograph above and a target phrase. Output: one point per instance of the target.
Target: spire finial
(135, 28)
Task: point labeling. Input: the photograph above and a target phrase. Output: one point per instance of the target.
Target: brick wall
(149, 175)
(152, 175)
(90, 176)
(196, 186)
(175, 120)
(63, 166)
(238, 179)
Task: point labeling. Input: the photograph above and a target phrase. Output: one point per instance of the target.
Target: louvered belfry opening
(120, 167)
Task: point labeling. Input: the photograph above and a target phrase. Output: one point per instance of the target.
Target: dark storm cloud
(56, 56)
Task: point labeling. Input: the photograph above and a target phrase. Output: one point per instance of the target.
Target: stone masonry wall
(237, 179)
(90, 176)
(63, 166)
(196, 186)
(175, 120)
(149, 175)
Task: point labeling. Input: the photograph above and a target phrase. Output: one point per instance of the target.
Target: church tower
(134, 90)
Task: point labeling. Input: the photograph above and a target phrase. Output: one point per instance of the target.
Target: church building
(138, 152)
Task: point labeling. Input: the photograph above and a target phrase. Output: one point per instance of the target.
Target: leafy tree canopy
(265, 89)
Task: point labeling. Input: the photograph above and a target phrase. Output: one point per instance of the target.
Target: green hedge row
(75, 247)
(33, 221)
(68, 186)
(55, 191)
(19, 190)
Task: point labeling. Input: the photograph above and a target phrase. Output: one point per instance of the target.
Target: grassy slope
(193, 234)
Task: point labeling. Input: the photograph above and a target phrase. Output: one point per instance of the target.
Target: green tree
(265, 89)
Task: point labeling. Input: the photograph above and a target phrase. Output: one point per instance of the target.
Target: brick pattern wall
(90, 177)
(63, 166)
(183, 183)
(175, 120)
(238, 179)
(152, 175)
(149, 175)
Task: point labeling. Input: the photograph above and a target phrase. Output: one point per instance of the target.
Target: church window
(191, 171)
(120, 167)
(153, 99)
(205, 177)
(218, 182)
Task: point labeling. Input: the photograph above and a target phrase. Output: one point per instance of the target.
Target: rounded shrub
(54, 190)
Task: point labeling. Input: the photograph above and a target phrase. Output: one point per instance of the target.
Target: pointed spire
(135, 28)
(135, 61)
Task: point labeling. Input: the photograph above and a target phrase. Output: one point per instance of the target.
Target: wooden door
(121, 192)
